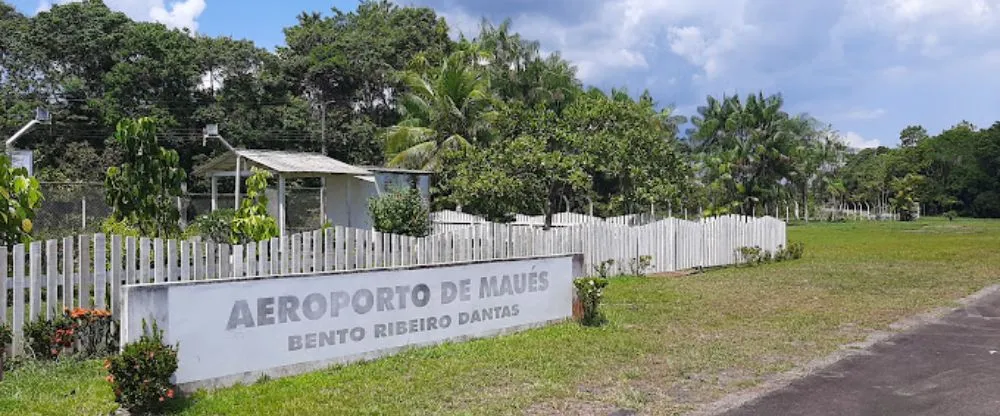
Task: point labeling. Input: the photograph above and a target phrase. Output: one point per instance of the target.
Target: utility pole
(212, 130)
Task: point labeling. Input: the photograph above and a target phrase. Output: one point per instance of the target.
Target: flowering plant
(590, 291)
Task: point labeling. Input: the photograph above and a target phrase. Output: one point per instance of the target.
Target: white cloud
(174, 14)
(854, 140)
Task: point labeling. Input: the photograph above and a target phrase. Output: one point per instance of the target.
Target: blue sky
(868, 67)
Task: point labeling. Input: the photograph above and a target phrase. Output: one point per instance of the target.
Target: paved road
(946, 368)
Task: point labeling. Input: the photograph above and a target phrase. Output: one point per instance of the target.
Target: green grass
(672, 344)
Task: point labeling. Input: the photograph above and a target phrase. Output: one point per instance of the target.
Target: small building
(345, 190)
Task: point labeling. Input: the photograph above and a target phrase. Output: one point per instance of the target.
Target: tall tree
(446, 107)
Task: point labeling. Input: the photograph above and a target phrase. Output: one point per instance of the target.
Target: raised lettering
(384, 295)
(338, 301)
(357, 334)
(294, 342)
(402, 291)
(366, 296)
(327, 338)
(311, 340)
(380, 331)
(543, 281)
(240, 315)
(449, 291)
(421, 295)
(464, 289)
(314, 306)
(286, 309)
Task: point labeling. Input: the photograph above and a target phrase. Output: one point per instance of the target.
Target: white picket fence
(448, 221)
(88, 271)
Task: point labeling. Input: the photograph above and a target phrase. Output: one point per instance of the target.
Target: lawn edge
(782, 380)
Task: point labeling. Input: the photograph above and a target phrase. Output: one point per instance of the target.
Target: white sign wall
(237, 330)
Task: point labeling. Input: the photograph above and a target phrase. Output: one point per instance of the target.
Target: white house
(346, 189)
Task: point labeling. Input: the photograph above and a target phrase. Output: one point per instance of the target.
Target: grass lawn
(672, 344)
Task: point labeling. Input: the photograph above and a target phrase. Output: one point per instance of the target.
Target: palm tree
(447, 107)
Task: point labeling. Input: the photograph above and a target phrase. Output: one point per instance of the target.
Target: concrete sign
(237, 330)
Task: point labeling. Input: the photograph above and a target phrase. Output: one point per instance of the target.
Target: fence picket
(317, 253)
(100, 271)
(171, 269)
(67, 273)
(238, 270)
(130, 260)
(329, 253)
(51, 280)
(116, 275)
(18, 293)
(305, 262)
(251, 259)
(158, 264)
(340, 246)
(225, 265)
(86, 278)
(185, 270)
(275, 256)
(35, 288)
(296, 254)
(263, 249)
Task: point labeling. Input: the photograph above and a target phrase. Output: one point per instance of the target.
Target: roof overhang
(288, 164)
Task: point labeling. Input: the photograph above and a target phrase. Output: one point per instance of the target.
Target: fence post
(116, 275)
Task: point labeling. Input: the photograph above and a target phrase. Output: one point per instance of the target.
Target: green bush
(400, 211)
(639, 266)
(215, 226)
(603, 269)
(751, 256)
(111, 226)
(95, 332)
(590, 291)
(986, 205)
(251, 222)
(20, 196)
(48, 338)
(140, 375)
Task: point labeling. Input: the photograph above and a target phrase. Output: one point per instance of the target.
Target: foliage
(753, 256)
(112, 226)
(603, 269)
(252, 222)
(447, 107)
(46, 339)
(20, 198)
(527, 174)
(987, 205)
(640, 265)
(140, 375)
(95, 332)
(905, 200)
(6, 336)
(401, 210)
(590, 291)
(215, 226)
(143, 190)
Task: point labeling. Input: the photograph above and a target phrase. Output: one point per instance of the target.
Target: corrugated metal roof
(284, 162)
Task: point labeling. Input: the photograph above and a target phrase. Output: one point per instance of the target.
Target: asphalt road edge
(779, 381)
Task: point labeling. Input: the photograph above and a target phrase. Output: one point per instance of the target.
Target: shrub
(795, 250)
(590, 291)
(20, 196)
(111, 226)
(252, 222)
(639, 266)
(5, 337)
(986, 205)
(140, 375)
(400, 211)
(603, 269)
(95, 330)
(48, 338)
(751, 255)
(215, 226)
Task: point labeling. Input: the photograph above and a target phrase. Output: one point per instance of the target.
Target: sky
(867, 67)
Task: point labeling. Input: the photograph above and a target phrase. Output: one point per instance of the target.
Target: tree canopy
(505, 126)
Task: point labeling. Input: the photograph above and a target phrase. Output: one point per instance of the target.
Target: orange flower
(150, 355)
(170, 393)
(107, 364)
(110, 378)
